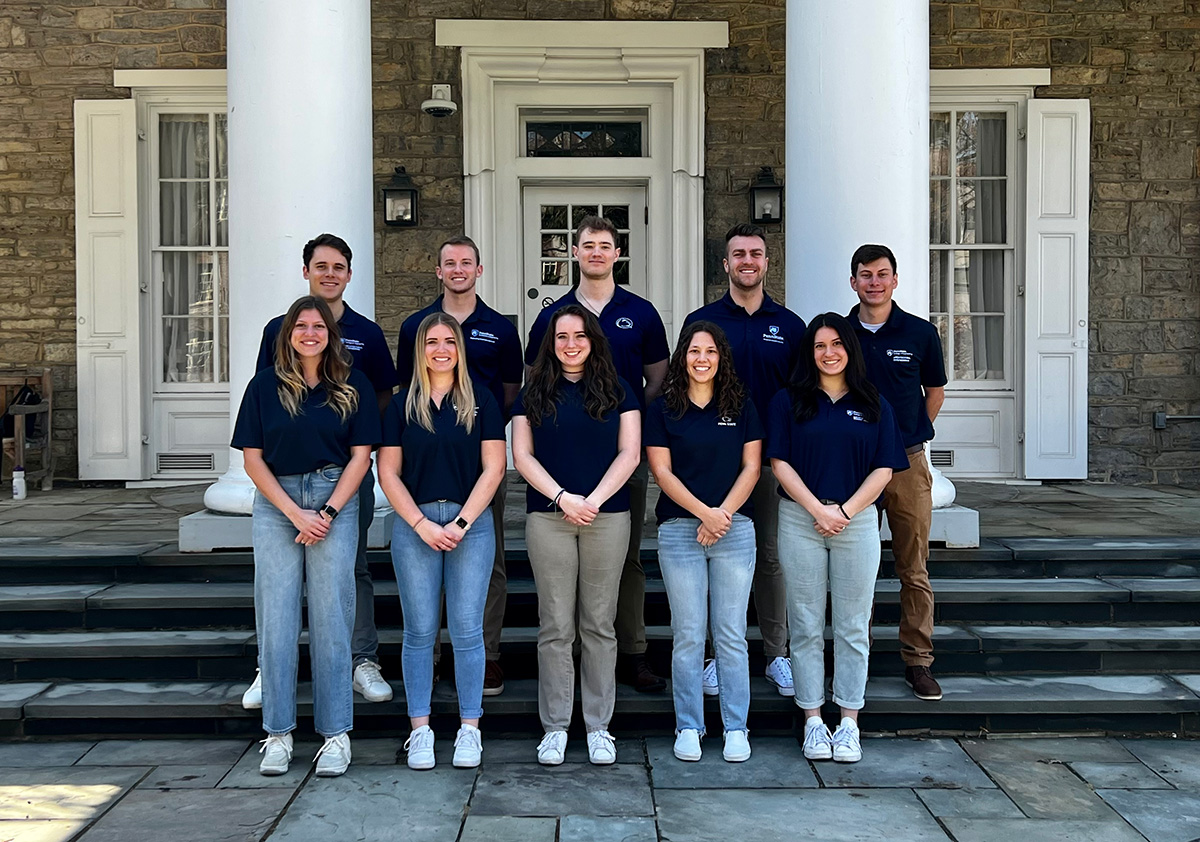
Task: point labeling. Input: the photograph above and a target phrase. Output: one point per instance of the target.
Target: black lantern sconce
(400, 200)
(766, 198)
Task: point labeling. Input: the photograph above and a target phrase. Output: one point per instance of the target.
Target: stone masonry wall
(1138, 62)
(52, 53)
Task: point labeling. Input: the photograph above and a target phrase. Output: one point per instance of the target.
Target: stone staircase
(1032, 635)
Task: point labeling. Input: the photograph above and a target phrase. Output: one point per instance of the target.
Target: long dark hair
(727, 389)
(334, 368)
(806, 380)
(602, 391)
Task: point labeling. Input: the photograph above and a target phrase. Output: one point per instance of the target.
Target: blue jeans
(699, 579)
(842, 568)
(280, 568)
(421, 573)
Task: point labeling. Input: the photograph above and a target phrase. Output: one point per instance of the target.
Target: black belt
(916, 448)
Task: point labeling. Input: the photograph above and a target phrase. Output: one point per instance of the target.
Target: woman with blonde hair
(442, 459)
(306, 428)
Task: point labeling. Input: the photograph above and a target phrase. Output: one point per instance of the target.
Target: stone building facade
(1136, 61)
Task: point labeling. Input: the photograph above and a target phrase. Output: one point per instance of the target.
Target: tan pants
(631, 603)
(770, 591)
(908, 502)
(577, 570)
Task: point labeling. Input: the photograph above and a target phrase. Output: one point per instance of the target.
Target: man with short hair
(493, 357)
(903, 354)
(766, 340)
(638, 341)
(327, 270)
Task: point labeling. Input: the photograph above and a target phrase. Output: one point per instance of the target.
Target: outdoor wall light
(400, 200)
(766, 198)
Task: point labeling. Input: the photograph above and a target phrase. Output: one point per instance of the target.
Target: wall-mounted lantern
(400, 200)
(766, 198)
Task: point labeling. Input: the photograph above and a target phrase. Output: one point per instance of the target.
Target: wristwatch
(329, 511)
(461, 523)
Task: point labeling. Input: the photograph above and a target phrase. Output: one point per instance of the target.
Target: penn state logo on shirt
(625, 323)
(484, 336)
(772, 335)
(899, 355)
(352, 344)
(856, 415)
(726, 421)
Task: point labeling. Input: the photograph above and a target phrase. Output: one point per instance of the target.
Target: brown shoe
(923, 684)
(634, 671)
(493, 679)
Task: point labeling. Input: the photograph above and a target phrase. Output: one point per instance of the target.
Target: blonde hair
(461, 395)
(334, 368)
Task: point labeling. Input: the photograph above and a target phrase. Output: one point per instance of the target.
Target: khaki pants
(497, 595)
(577, 570)
(770, 592)
(908, 502)
(631, 603)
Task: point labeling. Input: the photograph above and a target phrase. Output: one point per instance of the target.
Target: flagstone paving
(1066, 789)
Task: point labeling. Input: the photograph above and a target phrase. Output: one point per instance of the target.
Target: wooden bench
(18, 447)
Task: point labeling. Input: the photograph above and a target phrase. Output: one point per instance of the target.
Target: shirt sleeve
(654, 341)
(364, 423)
(751, 423)
(512, 367)
(535, 336)
(393, 420)
(266, 351)
(797, 347)
(779, 426)
(629, 402)
(491, 424)
(933, 366)
(889, 449)
(518, 407)
(654, 428)
(380, 370)
(248, 430)
(404, 352)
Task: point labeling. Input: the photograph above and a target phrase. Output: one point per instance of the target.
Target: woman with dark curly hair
(833, 443)
(576, 440)
(704, 444)
(306, 428)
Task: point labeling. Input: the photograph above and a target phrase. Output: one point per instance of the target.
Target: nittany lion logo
(889, 353)
(625, 323)
(474, 332)
(774, 330)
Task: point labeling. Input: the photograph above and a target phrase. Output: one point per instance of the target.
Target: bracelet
(558, 496)
(419, 522)
(843, 511)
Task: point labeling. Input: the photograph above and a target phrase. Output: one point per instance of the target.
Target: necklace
(591, 305)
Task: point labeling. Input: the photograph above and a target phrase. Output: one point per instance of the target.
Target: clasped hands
(714, 523)
(829, 521)
(312, 526)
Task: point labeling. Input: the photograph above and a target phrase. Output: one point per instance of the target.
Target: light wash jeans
(421, 573)
(280, 568)
(703, 580)
(845, 565)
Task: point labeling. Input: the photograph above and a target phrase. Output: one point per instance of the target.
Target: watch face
(462, 524)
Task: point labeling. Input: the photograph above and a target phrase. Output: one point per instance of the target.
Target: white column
(300, 162)
(857, 147)
(858, 153)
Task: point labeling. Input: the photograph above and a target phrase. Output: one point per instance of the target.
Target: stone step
(996, 703)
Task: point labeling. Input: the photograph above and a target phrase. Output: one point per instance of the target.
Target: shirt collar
(481, 313)
(769, 305)
(893, 319)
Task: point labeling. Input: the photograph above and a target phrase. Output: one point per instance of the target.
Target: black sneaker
(923, 684)
(493, 679)
(635, 671)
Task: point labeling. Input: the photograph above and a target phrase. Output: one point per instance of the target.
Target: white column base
(954, 526)
(233, 493)
(204, 532)
(944, 491)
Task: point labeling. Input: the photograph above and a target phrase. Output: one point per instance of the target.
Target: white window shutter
(108, 350)
(1056, 289)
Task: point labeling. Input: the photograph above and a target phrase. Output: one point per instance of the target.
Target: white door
(548, 227)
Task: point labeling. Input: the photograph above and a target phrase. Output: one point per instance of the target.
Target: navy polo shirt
(493, 351)
(575, 448)
(834, 451)
(315, 437)
(706, 451)
(904, 355)
(446, 463)
(635, 334)
(766, 343)
(362, 338)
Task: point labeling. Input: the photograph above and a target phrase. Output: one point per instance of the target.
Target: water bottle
(19, 483)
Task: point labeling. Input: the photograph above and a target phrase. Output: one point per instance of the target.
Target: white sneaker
(553, 748)
(420, 748)
(737, 746)
(252, 698)
(846, 745)
(818, 742)
(602, 748)
(687, 744)
(369, 682)
(779, 673)
(333, 758)
(277, 754)
(468, 747)
(709, 680)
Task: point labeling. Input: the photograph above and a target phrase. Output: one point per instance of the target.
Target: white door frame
(509, 65)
